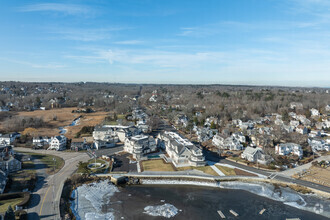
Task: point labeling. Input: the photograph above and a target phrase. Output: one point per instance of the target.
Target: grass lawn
(110, 123)
(48, 161)
(23, 179)
(226, 170)
(205, 169)
(156, 165)
(121, 116)
(6, 203)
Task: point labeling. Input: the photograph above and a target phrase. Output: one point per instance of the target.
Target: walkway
(217, 170)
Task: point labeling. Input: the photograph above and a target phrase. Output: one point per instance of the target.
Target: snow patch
(166, 210)
(89, 199)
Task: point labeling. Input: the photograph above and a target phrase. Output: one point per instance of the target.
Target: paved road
(299, 169)
(47, 193)
(277, 176)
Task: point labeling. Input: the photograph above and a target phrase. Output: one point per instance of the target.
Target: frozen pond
(106, 201)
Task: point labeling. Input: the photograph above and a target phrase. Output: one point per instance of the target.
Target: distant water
(199, 203)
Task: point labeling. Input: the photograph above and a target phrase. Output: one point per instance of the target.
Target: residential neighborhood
(156, 137)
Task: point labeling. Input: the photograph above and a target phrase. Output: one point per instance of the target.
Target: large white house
(289, 148)
(255, 155)
(8, 139)
(315, 112)
(181, 151)
(229, 143)
(57, 143)
(140, 145)
(114, 133)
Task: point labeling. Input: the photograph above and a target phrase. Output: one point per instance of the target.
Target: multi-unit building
(229, 143)
(289, 148)
(140, 145)
(108, 132)
(181, 151)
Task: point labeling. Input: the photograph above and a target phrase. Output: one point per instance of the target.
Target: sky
(251, 42)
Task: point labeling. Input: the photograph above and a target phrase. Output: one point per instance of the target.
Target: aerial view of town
(165, 110)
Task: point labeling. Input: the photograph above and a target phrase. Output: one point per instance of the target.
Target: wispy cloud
(83, 34)
(56, 7)
(129, 42)
(35, 65)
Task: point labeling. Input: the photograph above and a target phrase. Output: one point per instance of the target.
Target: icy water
(193, 202)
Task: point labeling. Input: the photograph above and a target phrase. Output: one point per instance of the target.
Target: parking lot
(122, 164)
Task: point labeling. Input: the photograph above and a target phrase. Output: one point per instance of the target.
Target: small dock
(262, 211)
(221, 214)
(233, 212)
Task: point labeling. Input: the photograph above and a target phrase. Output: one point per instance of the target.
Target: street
(46, 196)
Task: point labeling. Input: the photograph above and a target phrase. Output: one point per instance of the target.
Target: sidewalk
(217, 170)
(299, 169)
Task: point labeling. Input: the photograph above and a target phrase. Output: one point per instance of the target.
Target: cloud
(83, 34)
(71, 9)
(164, 59)
(34, 65)
(129, 42)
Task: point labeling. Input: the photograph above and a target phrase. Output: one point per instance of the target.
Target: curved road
(47, 194)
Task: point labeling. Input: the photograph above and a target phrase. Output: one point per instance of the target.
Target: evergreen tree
(10, 215)
(213, 125)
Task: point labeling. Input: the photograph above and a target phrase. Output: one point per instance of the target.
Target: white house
(140, 145)
(327, 108)
(58, 143)
(289, 148)
(294, 123)
(301, 129)
(109, 135)
(229, 143)
(296, 105)
(218, 140)
(181, 151)
(315, 112)
(318, 144)
(255, 155)
(8, 139)
(239, 136)
(41, 141)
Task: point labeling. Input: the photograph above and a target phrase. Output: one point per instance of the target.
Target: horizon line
(172, 84)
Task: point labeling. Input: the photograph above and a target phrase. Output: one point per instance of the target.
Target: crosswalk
(272, 176)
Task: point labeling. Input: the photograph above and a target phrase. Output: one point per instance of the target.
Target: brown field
(64, 118)
(317, 175)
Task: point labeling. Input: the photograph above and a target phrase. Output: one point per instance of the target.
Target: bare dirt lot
(64, 117)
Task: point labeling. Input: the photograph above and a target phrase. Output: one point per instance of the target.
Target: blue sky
(258, 42)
